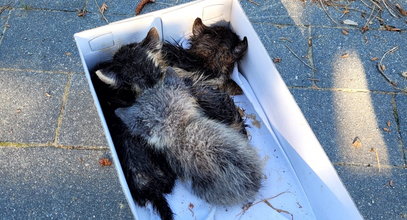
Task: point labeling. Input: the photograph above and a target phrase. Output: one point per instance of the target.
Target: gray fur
(223, 168)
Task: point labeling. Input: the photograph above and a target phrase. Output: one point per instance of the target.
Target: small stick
(377, 158)
(141, 5)
(263, 200)
(253, 2)
(326, 12)
(388, 9)
(370, 17)
(377, 5)
(103, 16)
(279, 210)
(379, 67)
(299, 57)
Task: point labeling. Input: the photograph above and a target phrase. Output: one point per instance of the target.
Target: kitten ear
(240, 49)
(107, 77)
(198, 27)
(152, 39)
(171, 77)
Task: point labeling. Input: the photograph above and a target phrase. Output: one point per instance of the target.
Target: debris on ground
(141, 5)
(357, 143)
(105, 162)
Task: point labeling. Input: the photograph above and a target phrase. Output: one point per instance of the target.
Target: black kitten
(214, 51)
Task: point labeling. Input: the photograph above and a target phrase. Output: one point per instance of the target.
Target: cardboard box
(298, 172)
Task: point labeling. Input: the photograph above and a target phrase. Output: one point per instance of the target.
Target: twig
(279, 210)
(377, 158)
(367, 5)
(141, 5)
(326, 12)
(299, 57)
(377, 5)
(253, 2)
(255, 203)
(370, 17)
(388, 9)
(381, 69)
(103, 16)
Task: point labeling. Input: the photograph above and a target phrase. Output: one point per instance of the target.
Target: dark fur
(131, 68)
(214, 51)
(147, 172)
(223, 167)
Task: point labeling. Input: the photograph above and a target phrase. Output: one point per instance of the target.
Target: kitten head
(219, 46)
(134, 66)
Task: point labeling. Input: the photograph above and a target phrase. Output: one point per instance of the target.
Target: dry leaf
(191, 206)
(68, 53)
(103, 8)
(391, 28)
(82, 13)
(391, 183)
(350, 22)
(401, 10)
(357, 143)
(346, 11)
(388, 123)
(404, 74)
(345, 55)
(18, 110)
(381, 67)
(105, 162)
(386, 129)
(364, 29)
(140, 5)
(345, 32)
(374, 58)
(47, 94)
(277, 60)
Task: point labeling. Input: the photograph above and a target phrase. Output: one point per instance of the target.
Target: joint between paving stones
(39, 145)
(39, 71)
(5, 26)
(349, 90)
(311, 57)
(62, 110)
(397, 119)
(382, 166)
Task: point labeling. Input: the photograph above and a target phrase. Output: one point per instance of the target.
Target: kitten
(214, 51)
(138, 66)
(223, 168)
(147, 172)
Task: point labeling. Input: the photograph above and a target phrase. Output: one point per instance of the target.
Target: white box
(296, 164)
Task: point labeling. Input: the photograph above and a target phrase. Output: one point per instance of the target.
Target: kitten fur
(147, 171)
(214, 51)
(223, 168)
(138, 66)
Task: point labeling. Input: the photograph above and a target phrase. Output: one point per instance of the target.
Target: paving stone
(344, 61)
(33, 42)
(7, 2)
(81, 124)
(30, 105)
(337, 118)
(72, 5)
(401, 101)
(377, 194)
(275, 39)
(52, 183)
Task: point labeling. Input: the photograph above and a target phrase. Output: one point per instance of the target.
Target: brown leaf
(374, 58)
(381, 67)
(357, 143)
(103, 8)
(388, 123)
(191, 206)
(391, 28)
(345, 31)
(277, 60)
(105, 162)
(82, 13)
(364, 29)
(345, 55)
(68, 53)
(141, 5)
(401, 10)
(386, 129)
(346, 11)
(18, 110)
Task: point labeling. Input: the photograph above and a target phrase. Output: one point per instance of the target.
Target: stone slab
(81, 125)
(30, 105)
(52, 183)
(337, 118)
(377, 194)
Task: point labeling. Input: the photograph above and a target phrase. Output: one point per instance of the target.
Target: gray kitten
(223, 168)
